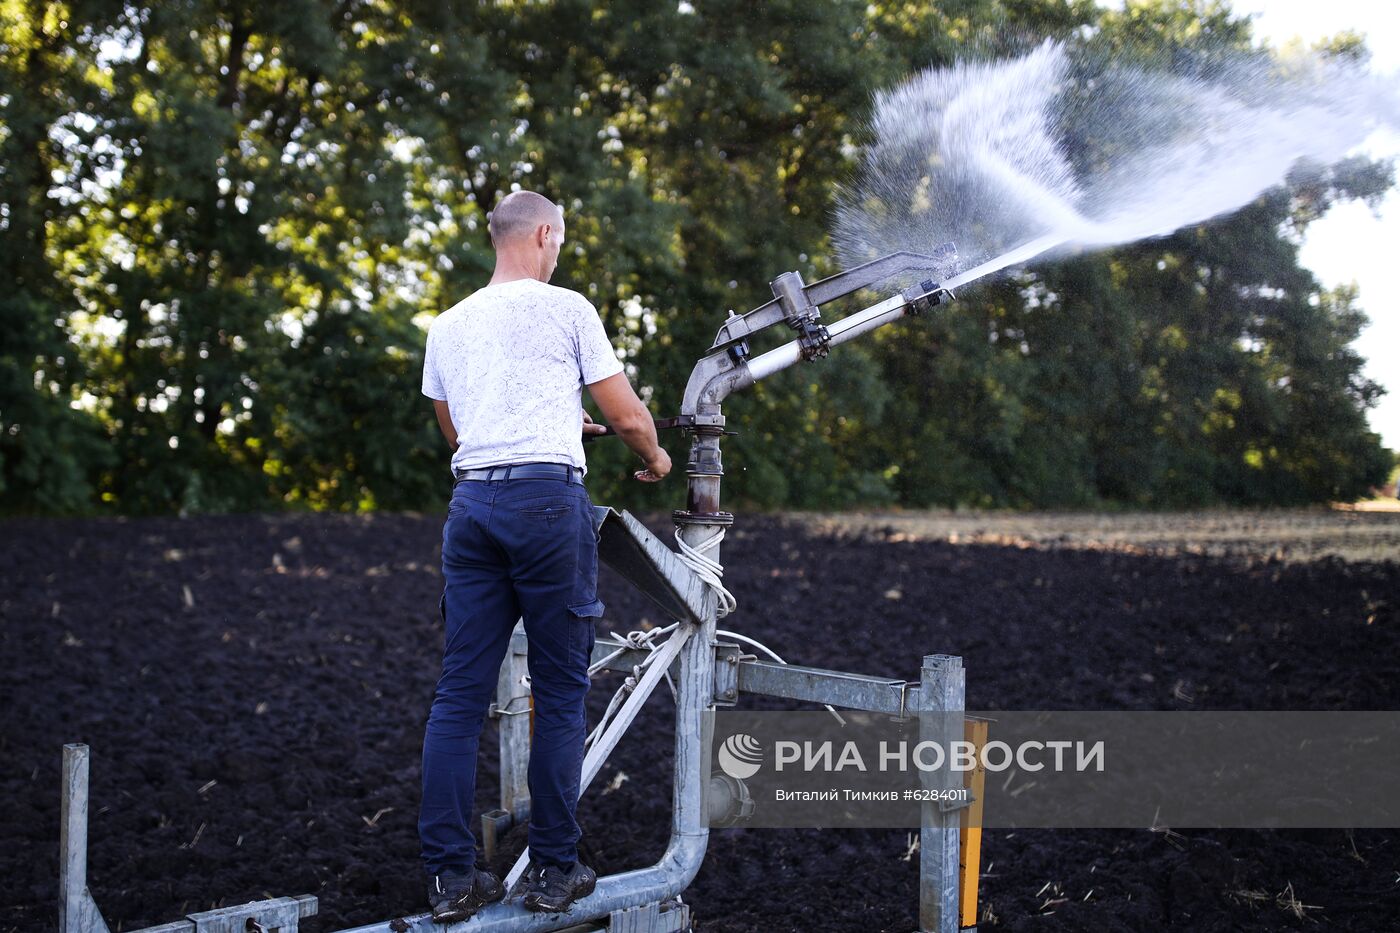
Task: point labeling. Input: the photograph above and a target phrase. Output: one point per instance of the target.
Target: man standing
(504, 368)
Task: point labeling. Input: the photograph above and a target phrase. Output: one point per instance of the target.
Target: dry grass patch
(1352, 533)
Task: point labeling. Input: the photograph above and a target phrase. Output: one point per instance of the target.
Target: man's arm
(627, 416)
(444, 417)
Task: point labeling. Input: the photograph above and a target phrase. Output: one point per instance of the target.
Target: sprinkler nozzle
(925, 295)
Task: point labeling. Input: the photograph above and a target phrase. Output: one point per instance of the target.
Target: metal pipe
(714, 378)
(891, 309)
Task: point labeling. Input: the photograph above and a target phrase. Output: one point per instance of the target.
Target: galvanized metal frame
(707, 673)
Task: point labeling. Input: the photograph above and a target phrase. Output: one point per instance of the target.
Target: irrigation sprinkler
(706, 667)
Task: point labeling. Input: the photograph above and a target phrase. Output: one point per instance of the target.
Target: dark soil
(254, 691)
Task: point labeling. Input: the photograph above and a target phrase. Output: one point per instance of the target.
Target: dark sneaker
(455, 897)
(555, 889)
(525, 881)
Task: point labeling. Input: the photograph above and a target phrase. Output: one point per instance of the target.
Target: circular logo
(741, 755)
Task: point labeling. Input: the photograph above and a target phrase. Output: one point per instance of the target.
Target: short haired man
(504, 368)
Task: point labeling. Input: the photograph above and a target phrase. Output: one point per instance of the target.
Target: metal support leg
(513, 708)
(943, 692)
(77, 911)
(494, 826)
(512, 712)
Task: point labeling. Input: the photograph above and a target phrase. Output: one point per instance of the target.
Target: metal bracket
(494, 711)
(925, 295)
(727, 658)
(279, 914)
(625, 545)
(818, 685)
(814, 339)
(739, 349)
(657, 917)
(738, 327)
(801, 315)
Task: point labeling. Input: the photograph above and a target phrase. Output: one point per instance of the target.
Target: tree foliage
(224, 227)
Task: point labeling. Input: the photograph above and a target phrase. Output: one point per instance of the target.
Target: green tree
(225, 227)
(50, 444)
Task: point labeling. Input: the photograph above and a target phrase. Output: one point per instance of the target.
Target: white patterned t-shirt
(510, 360)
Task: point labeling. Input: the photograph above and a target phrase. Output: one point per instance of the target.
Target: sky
(1352, 243)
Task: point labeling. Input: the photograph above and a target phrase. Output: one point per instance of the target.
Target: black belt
(559, 471)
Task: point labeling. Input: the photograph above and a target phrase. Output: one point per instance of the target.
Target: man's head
(527, 230)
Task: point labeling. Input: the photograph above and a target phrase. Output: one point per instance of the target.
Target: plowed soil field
(254, 690)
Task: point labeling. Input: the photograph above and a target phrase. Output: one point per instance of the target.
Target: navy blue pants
(512, 549)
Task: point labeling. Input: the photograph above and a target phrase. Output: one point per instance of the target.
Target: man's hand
(590, 428)
(628, 418)
(656, 470)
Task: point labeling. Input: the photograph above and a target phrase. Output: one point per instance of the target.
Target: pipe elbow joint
(714, 379)
(683, 858)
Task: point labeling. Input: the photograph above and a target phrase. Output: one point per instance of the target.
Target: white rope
(628, 685)
(708, 570)
(752, 641)
(637, 639)
(711, 572)
(774, 655)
